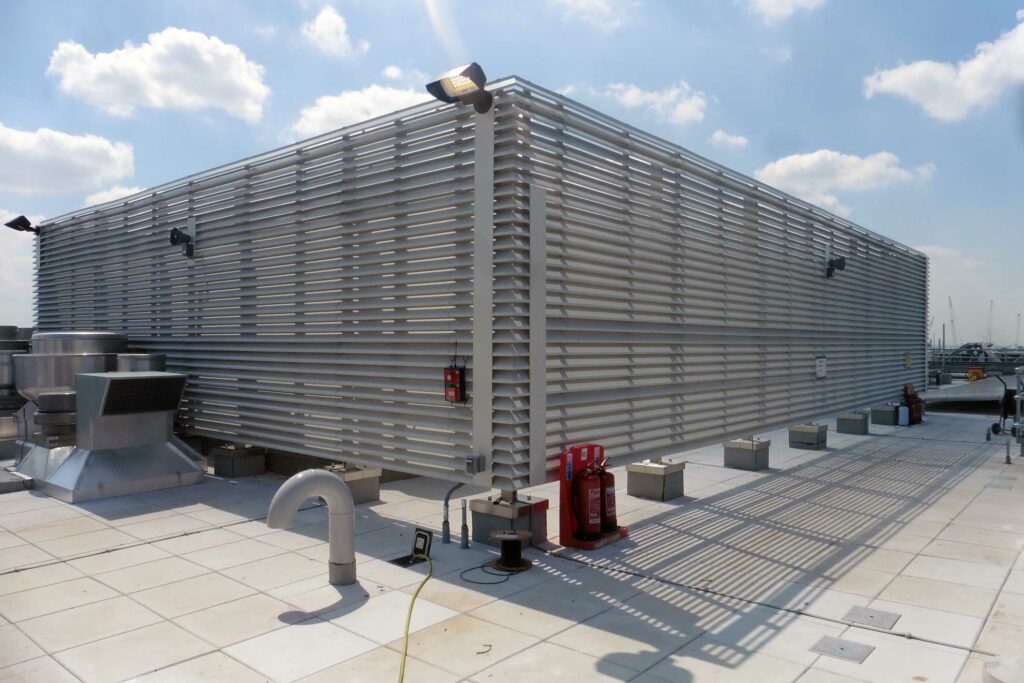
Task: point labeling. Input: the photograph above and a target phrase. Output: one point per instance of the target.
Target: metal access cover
(843, 649)
(1005, 486)
(872, 617)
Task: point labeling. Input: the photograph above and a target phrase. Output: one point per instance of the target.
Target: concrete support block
(884, 414)
(852, 423)
(363, 482)
(528, 513)
(287, 464)
(811, 437)
(655, 480)
(238, 461)
(14, 481)
(747, 454)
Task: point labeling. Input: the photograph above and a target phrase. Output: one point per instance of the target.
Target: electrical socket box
(454, 384)
(422, 539)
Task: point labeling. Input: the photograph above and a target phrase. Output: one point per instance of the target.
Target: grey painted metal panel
(687, 304)
(675, 301)
(332, 282)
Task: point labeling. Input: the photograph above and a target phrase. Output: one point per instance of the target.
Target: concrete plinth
(363, 482)
(747, 454)
(238, 461)
(811, 437)
(528, 513)
(655, 480)
(884, 414)
(852, 423)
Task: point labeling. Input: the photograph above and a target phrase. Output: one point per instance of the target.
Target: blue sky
(906, 116)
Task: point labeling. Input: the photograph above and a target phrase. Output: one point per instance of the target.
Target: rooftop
(736, 581)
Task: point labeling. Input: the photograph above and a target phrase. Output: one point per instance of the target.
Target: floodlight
(22, 224)
(463, 84)
(835, 263)
(183, 237)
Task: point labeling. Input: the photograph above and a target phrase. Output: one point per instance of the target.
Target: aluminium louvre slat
(692, 266)
(309, 255)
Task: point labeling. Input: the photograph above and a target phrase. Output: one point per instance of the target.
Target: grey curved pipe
(341, 518)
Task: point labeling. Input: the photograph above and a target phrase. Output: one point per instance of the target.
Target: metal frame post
(538, 335)
(482, 396)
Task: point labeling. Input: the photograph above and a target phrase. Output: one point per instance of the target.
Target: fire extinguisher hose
(408, 617)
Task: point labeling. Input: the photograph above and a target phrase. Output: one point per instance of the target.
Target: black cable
(485, 568)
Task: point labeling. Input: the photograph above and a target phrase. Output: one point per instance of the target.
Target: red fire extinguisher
(609, 521)
(587, 504)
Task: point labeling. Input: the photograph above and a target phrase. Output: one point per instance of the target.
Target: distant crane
(1016, 342)
(952, 323)
(989, 339)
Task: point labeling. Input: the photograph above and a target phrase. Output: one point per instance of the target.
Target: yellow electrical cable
(408, 616)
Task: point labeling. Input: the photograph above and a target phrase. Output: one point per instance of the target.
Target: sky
(905, 117)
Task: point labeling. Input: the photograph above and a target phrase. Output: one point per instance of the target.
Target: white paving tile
(465, 645)
(53, 598)
(276, 571)
(27, 579)
(956, 571)
(215, 667)
(38, 670)
(132, 654)
(191, 595)
(118, 559)
(381, 618)
(232, 554)
(239, 620)
(84, 624)
(548, 662)
(15, 646)
(151, 574)
(378, 665)
(292, 653)
(897, 659)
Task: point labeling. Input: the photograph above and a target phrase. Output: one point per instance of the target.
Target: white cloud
(606, 15)
(413, 78)
(353, 106)
(816, 176)
(269, 31)
(328, 32)
(773, 11)
(173, 69)
(723, 139)
(109, 195)
(678, 103)
(951, 92)
(45, 160)
(16, 250)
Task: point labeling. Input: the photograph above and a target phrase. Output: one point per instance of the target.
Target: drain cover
(872, 617)
(842, 649)
(999, 485)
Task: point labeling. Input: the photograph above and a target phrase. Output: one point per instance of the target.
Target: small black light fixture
(463, 84)
(22, 224)
(184, 239)
(835, 263)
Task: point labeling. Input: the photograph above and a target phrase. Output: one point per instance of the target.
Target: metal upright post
(538, 334)
(481, 395)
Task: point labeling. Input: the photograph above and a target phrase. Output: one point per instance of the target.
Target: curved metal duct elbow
(341, 517)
